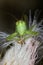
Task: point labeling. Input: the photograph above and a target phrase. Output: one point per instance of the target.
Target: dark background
(10, 10)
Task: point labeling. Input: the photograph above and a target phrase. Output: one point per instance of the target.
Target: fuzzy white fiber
(21, 55)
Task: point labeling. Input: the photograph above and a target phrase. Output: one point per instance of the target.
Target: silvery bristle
(21, 55)
(29, 52)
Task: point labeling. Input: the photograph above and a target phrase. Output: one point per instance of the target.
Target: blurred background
(10, 10)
